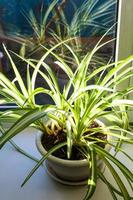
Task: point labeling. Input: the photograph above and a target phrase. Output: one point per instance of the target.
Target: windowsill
(14, 167)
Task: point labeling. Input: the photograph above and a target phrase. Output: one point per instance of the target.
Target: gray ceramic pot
(70, 172)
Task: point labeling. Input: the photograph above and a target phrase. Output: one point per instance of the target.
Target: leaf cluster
(85, 98)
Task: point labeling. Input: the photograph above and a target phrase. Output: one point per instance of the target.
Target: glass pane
(24, 25)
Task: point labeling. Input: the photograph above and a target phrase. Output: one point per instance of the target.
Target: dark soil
(48, 141)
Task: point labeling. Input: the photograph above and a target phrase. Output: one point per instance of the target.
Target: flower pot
(70, 172)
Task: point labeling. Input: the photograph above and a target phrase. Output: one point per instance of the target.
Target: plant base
(55, 177)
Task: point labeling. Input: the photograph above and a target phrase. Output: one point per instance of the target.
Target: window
(16, 24)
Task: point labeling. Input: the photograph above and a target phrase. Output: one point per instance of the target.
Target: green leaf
(42, 160)
(111, 187)
(69, 139)
(102, 177)
(93, 179)
(26, 120)
(126, 172)
(18, 76)
(118, 180)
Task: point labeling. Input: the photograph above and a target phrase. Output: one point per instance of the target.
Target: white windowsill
(14, 167)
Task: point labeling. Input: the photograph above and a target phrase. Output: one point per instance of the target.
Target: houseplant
(74, 113)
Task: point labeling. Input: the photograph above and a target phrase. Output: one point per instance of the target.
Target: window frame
(124, 41)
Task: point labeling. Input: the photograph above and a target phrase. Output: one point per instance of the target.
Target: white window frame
(124, 42)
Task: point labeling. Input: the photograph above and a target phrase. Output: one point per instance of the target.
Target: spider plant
(84, 99)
